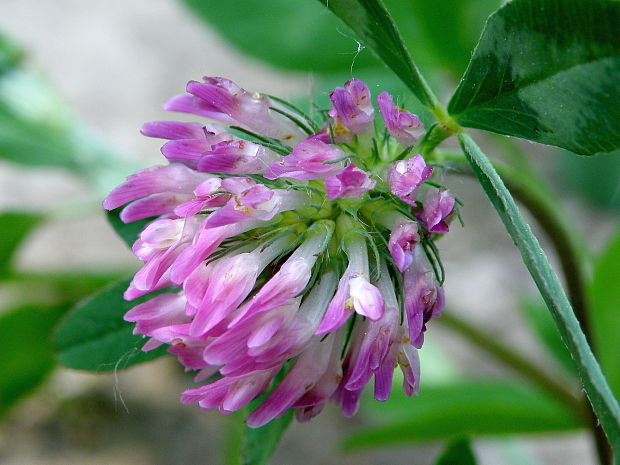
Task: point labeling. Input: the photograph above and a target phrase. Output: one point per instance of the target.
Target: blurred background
(78, 79)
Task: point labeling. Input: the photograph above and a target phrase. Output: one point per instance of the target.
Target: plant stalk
(546, 214)
(597, 389)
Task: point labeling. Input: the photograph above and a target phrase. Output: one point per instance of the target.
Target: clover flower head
(288, 249)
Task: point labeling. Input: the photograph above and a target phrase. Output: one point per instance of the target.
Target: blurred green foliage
(299, 36)
(14, 226)
(465, 408)
(26, 356)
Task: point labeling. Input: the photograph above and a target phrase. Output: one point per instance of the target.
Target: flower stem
(564, 240)
(436, 135)
(599, 394)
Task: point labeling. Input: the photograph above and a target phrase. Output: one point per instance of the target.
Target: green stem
(541, 206)
(437, 133)
(519, 364)
(599, 394)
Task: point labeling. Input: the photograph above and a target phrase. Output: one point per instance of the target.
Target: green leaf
(95, 337)
(26, 356)
(129, 232)
(542, 323)
(547, 71)
(376, 29)
(291, 35)
(15, 226)
(459, 409)
(599, 394)
(458, 453)
(259, 444)
(605, 316)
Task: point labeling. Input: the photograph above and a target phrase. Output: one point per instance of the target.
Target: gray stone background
(115, 63)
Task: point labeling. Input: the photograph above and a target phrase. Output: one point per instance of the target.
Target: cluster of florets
(292, 250)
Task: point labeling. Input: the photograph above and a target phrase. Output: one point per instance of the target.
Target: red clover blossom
(288, 247)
